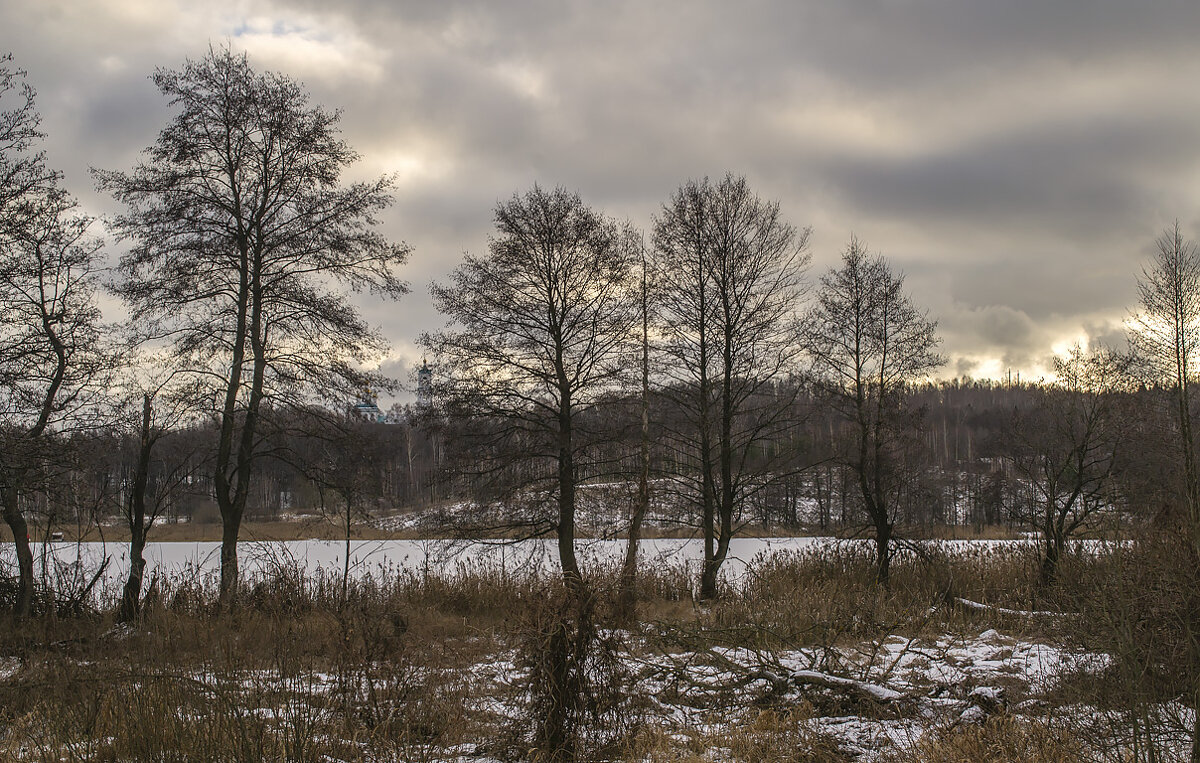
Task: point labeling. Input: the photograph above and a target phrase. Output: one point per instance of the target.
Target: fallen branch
(722, 675)
(1011, 612)
(876, 692)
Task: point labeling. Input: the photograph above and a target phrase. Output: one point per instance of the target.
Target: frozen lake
(436, 557)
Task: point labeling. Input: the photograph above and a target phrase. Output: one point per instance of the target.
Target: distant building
(424, 385)
(368, 410)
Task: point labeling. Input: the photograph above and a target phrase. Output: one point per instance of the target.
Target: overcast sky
(1016, 159)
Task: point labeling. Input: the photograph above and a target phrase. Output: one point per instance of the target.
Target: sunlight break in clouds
(312, 49)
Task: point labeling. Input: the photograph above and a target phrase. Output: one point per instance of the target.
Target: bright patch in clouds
(522, 78)
(413, 165)
(312, 49)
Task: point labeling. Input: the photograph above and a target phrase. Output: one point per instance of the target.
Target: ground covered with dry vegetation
(962, 658)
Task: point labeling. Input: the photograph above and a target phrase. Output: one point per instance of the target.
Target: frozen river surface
(437, 557)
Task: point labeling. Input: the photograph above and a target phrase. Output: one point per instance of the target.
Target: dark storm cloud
(1015, 159)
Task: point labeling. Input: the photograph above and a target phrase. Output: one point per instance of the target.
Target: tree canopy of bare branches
(541, 329)
(1164, 334)
(51, 355)
(728, 274)
(867, 341)
(240, 233)
(1065, 448)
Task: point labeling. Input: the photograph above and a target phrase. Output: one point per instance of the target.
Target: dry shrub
(1000, 739)
(766, 736)
(821, 597)
(1142, 609)
(782, 737)
(570, 680)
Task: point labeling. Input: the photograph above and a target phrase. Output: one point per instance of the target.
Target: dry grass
(767, 736)
(1001, 739)
(391, 670)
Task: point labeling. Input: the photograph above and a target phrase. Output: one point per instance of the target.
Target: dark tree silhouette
(1065, 448)
(240, 231)
(729, 277)
(868, 342)
(50, 353)
(1165, 336)
(541, 329)
(52, 359)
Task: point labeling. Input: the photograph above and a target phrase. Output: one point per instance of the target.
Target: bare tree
(239, 228)
(868, 342)
(729, 276)
(540, 329)
(1065, 447)
(1164, 334)
(51, 355)
(158, 400)
(626, 595)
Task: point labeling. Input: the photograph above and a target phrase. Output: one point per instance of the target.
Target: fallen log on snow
(733, 675)
(866, 689)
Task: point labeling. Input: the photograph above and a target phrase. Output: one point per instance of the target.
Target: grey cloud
(1109, 334)
(1015, 158)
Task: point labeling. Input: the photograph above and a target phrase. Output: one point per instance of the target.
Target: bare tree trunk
(23, 606)
(883, 552)
(346, 562)
(627, 595)
(566, 498)
(708, 575)
(233, 505)
(725, 506)
(131, 596)
(227, 500)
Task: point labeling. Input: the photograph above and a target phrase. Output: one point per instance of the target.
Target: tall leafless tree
(729, 275)
(627, 595)
(52, 360)
(50, 353)
(868, 341)
(1164, 334)
(239, 229)
(156, 403)
(540, 332)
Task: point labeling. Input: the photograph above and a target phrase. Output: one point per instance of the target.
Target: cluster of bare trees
(760, 391)
(241, 241)
(552, 330)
